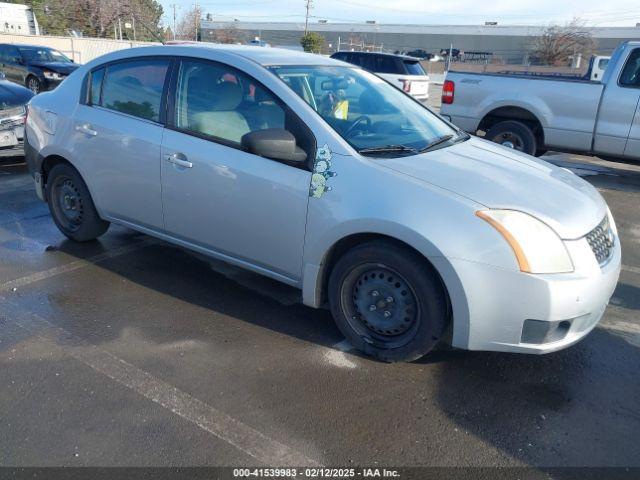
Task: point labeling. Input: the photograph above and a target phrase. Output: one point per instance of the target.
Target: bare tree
(188, 27)
(559, 44)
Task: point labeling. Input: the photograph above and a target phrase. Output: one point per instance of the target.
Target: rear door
(117, 138)
(618, 108)
(14, 67)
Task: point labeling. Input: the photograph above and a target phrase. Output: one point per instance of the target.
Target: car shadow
(561, 409)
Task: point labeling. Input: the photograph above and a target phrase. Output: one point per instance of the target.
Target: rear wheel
(34, 84)
(71, 205)
(513, 134)
(387, 301)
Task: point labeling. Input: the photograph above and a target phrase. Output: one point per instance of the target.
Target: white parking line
(247, 439)
(74, 265)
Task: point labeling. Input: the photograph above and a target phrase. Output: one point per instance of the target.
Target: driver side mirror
(275, 143)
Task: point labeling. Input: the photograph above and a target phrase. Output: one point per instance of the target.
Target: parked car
(325, 177)
(13, 101)
(533, 113)
(403, 72)
(37, 68)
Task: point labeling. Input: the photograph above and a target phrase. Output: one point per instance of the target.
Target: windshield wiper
(388, 149)
(436, 142)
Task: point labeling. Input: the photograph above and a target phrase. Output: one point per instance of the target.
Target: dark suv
(403, 72)
(36, 67)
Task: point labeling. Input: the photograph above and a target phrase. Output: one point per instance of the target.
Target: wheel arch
(316, 277)
(517, 113)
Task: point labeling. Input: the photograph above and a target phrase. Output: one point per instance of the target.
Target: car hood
(497, 177)
(64, 68)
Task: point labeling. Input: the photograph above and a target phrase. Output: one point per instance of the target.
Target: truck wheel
(71, 205)
(514, 135)
(387, 301)
(34, 84)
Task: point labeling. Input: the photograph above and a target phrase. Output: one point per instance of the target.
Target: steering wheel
(357, 122)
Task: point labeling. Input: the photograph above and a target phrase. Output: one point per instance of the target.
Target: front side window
(218, 101)
(631, 73)
(369, 113)
(135, 87)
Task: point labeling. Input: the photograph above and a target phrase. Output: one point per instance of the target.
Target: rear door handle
(179, 159)
(86, 128)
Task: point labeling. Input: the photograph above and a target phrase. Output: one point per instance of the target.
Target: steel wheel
(380, 305)
(67, 203)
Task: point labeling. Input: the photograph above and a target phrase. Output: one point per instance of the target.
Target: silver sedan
(325, 177)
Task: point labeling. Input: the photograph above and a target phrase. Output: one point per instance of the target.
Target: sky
(458, 12)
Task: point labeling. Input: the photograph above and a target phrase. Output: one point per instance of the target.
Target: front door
(245, 208)
(117, 140)
(618, 108)
(630, 80)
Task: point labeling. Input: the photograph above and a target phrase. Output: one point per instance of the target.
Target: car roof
(265, 56)
(382, 54)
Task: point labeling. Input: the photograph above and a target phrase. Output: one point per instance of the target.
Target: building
(510, 42)
(18, 19)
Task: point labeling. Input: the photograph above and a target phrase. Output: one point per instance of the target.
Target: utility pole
(174, 6)
(197, 15)
(309, 6)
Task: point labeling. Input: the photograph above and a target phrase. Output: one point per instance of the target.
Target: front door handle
(86, 128)
(179, 159)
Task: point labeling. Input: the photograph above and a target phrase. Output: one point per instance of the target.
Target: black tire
(34, 84)
(514, 135)
(71, 205)
(411, 307)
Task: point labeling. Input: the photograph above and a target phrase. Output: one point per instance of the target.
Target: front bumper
(511, 311)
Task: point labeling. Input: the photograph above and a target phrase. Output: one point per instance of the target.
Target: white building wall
(17, 19)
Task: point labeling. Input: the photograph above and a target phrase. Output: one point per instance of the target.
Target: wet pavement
(130, 351)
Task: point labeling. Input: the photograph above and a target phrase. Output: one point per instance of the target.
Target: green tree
(312, 42)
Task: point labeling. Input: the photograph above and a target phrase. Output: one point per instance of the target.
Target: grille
(601, 241)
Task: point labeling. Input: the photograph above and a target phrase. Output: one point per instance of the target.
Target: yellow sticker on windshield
(341, 110)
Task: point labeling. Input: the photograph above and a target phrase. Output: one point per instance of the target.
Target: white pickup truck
(534, 113)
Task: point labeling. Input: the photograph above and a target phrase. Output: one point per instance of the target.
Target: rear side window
(631, 74)
(135, 87)
(414, 67)
(386, 65)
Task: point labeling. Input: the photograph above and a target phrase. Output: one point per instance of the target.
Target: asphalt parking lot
(130, 351)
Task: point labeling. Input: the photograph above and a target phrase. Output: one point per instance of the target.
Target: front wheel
(513, 134)
(71, 205)
(387, 301)
(34, 84)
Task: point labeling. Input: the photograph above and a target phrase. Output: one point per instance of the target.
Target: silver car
(321, 175)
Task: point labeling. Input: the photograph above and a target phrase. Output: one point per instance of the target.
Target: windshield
(370, 114)
(34, 54)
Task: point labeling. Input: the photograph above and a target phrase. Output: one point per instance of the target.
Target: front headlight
(52, 75)
(538, 249)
